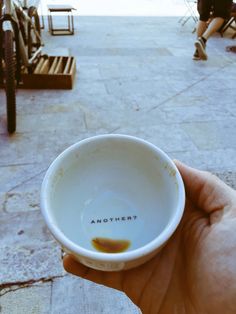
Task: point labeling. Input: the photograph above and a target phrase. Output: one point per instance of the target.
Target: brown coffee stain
(107, 245)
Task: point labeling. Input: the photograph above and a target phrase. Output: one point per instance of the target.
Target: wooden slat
(67, 66)
(73, 65)
(45, 67)
(58, 68)
(38, 66)
(53, 66)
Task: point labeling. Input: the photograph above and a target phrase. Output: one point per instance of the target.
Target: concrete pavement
(135, 76)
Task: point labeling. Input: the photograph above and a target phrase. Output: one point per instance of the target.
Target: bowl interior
(114, 189)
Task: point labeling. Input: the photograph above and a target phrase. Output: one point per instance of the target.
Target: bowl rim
(142, 251)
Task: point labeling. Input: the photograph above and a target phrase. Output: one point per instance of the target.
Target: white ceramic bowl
(112, 201)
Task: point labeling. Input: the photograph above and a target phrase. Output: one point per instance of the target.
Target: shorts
(215, 8)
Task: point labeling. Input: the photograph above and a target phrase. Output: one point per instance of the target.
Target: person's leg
(213, 27)
(222, 9)
(201, 28)
(204, 8)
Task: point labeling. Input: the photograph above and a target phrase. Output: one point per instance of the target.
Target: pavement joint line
(114, 130)
(188, 87)
(8, 196)
(9, 287)
(25, 181)
(4, 205)
(20, 164)
(85, 119)
(176, 95)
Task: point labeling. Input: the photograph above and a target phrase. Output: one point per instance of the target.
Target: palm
(196, 271)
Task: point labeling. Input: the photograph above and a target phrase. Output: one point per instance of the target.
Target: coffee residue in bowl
(107, 245)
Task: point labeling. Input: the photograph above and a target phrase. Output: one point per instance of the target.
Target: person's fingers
(206, 190)
(73, 267)
(110, 279)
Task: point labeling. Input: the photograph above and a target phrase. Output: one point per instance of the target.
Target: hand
(196, 271)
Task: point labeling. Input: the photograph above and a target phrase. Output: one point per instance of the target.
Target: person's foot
(196, 55)
(201, 48)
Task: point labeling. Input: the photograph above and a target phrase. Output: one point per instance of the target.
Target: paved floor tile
(87, 298)
(33, 299)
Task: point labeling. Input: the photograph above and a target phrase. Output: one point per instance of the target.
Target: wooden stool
(61, 8)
